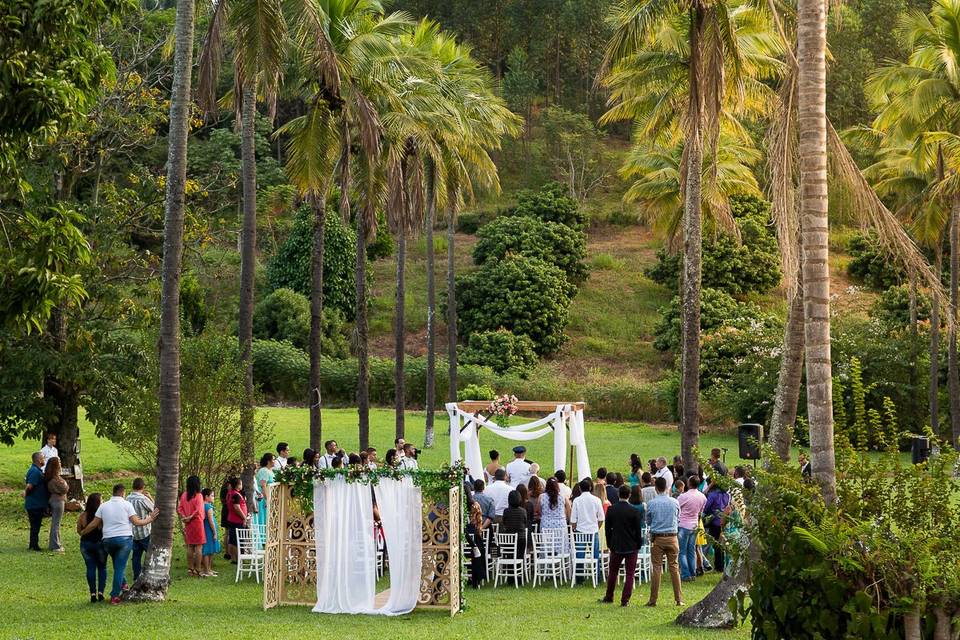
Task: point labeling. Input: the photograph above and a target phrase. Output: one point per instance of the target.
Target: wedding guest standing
(262, 480)
(624, 533)
(49, 450)
(236, 515)
(36, 498)
(57, 487)
(91, 549)
(117, 518)
(142, 505)
(211, 543)
(518, 471)
(192, 514)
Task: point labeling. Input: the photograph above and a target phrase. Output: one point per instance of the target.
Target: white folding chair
(249, 559)
(488, 556)
(547, 559)
(509, 563)
(584, 562)
(644, 564)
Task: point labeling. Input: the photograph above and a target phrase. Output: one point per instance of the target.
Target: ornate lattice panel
(290, 568)
(440, 570)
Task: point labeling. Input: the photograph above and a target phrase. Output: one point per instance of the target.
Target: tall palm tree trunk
(814, 231)
(953, 376)
(363, 373)
(933, 393)
(451, 303)
(692, 244)
(316, 317)
(430, 397)
(248, 248)
(400, 337)
(155, 577)
(788, 383)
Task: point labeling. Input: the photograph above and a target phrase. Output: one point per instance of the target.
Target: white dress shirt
(407, 462)
(326, 461)
(48, 452)
(498, 491)
(519, 472)
(279, 463)
(587, 513)
(665, 473)
(565, 490)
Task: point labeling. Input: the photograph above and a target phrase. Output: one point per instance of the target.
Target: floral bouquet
(503, 407)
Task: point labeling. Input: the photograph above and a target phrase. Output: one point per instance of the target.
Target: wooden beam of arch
(472, 406)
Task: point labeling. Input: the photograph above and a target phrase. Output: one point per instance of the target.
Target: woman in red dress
(191, 514)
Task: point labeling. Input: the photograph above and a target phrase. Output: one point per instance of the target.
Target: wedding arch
(564, 421)
(321, 550)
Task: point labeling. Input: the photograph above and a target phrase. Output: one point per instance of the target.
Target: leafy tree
(290, 267)
(502, 351)
(870, 265)
(284, 315)
(577, 151)
(520, 83)
(552, 242)
(522, 295)
(716, 309)
(552, 203)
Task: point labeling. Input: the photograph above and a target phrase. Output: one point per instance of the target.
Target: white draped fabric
(346, 550)
(464, 430)
(401, 509)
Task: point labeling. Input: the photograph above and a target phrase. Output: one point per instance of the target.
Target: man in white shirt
(586, 516)
(326, 461)
(372, 458)
(498, 491)
(565, 490)
(518, 471)
(283, 451)
(409, 460)
(49, 450)
(663, 471)
(118, 517)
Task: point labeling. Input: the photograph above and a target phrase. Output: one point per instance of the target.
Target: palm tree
(258, 28)
(680, 64)
(153, 581)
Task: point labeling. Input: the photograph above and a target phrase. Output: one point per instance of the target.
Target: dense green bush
(383, 244)
(870, 265)
(525, 296)
(284, 314)
(551, 204)
(476, 392)
(500, 350)
(893, 307)
(552, 242)
(281, 369)
(290, 267)
(193, 305)
(751, 265)
(716, 309)
(471, 221)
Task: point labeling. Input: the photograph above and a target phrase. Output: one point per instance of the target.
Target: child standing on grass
(211, 546)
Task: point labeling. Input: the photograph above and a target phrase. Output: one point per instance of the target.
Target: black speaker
(919, 449)
(749, 437)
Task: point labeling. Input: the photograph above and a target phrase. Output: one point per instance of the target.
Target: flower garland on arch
(434, 484)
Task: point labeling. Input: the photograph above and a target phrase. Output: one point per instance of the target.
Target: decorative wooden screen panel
(290, 570)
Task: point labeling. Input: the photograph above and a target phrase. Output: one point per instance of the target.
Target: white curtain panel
(401, 508)
(578, 438)
(346, 552)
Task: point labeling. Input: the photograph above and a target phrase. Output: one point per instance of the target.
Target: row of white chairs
(553, 554)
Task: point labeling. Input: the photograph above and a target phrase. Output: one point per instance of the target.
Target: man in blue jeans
(691, 506)
(36, 499)
(142, 506)
(117, 517)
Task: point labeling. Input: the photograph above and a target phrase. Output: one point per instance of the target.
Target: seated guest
(565, 490)
(515, 521)
(535, 489)
(487, 508)
(498, 491)
(474, 539)
(525, 502)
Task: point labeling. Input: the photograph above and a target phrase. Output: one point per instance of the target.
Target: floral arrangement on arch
(503, 407)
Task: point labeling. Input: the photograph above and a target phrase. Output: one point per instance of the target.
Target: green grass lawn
(46, 595)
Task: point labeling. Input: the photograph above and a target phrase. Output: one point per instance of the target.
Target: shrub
(471, 221)
(752, 265)
(554, 243)
(716, 309)
(284, 314)
(476, 392)
(211, 394)
(870, 265)
(290, 267)
(551, 204)
(500, 350)
(893, 307)
(606, 262)
(525, 296)
(193, 304)
(383, 244)
(281, 369)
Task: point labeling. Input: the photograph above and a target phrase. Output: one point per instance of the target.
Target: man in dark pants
(36, 499)
(623, 526)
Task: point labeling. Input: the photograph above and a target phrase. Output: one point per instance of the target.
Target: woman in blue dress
(262, 479)
(211, 546)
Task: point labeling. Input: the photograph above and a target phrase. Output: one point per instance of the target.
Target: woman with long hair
(535, 489)
(57, 487)
(91, 549)
(262, 480)
(391, 458)
(554, 511)
(636, 470)
(192, 515)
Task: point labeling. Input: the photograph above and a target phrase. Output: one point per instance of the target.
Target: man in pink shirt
(691, 506)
